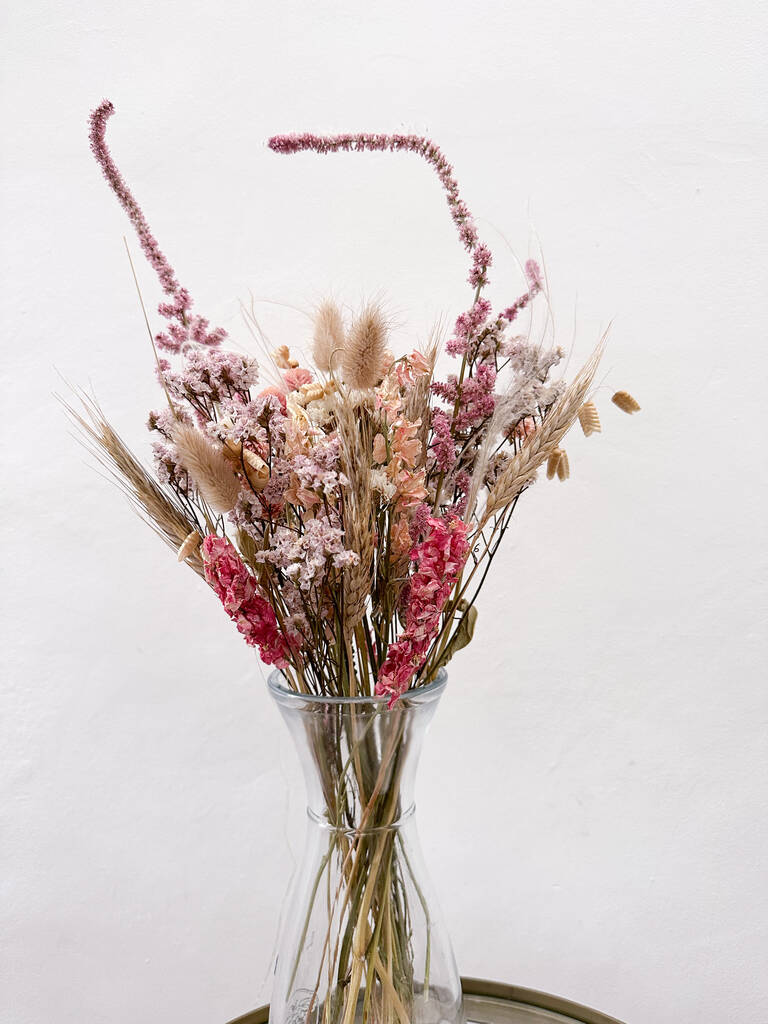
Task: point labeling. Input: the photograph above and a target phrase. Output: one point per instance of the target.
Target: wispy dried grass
(208, 466)
(365, 346)
(522, 468)
(328, 340)
(161, 510)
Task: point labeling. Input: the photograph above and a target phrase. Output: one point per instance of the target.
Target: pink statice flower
(238, 592)
(305, 558)
(440, 560)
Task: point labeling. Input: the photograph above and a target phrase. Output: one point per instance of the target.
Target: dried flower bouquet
(345, 510)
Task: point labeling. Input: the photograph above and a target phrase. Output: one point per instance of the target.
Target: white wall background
(592, 794)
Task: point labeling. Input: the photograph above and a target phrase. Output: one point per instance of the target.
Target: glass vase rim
(288, 696)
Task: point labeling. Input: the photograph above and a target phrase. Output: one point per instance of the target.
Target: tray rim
(493, 990)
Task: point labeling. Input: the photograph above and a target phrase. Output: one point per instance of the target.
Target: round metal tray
(490, 1002)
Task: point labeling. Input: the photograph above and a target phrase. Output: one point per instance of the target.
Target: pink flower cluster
(442, 447)
(440, 559)
(184, 327)
(533, 273)
(211, 376)
(467, 326)
(474, 397)
(423, 147)
(237, 591)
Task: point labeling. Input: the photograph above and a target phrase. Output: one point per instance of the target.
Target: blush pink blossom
(296, 378)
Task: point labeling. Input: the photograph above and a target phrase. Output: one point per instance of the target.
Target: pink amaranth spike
(185, 328)
(462, 218)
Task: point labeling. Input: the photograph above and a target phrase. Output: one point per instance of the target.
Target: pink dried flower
(236, 589)
(440, 560)
(296, 377)
(442, 447)
(305, 558)
(379, 449)
(184, 328)
(481, 260)
(410, 143)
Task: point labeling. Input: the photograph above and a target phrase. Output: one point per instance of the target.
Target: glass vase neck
(359, 756)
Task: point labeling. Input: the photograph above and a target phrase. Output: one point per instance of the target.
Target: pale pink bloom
(410, 368)
(277, 393)
(409, 484)
(297, 377)
(379, 448)
(405, 445)
(400, 537)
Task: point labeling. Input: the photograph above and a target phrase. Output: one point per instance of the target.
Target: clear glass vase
(361, 937)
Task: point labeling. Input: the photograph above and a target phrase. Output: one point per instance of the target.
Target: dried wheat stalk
(160, 510)
(355, 448)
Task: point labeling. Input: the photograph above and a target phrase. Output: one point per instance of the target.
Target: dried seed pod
(552, 462)
(256, 470)
(563, 469)
(589, 419)
(190, 545)
(282, 358)
(248, 463)
(310, 392)
(625, 402)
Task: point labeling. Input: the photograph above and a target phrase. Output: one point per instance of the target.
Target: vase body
(361, 938)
